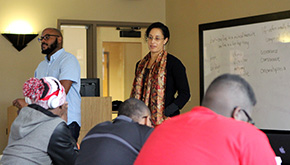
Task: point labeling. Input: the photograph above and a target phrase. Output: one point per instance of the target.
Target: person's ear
(236, 113)
(59, 40)
(165, 41)
(141, 121)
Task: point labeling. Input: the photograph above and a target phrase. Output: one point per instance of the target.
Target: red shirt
(203, 137)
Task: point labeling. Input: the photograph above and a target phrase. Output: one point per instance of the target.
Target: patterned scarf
(153, 94)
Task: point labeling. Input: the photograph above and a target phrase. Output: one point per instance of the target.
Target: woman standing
(159, 75)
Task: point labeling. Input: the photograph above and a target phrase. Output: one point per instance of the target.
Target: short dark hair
(161, 26)
(132, 108)
(233, 78)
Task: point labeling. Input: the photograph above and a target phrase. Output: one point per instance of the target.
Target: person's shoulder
(250, 137)
(137, 63)
(69, 55)
(61, 129)
(99, 127)
(144, 131)
(68, 58)
(144, 127)
(135, 126)
(43, 62)
(251, 129)
(172, 57)
(241, 127)
(62, 54)
(62, 125)
(173, 60)
(103, 124)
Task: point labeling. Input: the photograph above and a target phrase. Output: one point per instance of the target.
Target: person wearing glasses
(218, 132)
(120, 141)
(159, 76)
(65, 67)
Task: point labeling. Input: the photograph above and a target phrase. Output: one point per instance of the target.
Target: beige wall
(16, 67)
(183, 18)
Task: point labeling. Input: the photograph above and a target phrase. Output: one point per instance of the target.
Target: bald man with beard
(65, 67)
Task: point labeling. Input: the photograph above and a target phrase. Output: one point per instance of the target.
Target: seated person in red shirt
(218, 132)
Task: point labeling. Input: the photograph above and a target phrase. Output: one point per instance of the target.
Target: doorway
(99, 61)
(121, 55)
(119, 61)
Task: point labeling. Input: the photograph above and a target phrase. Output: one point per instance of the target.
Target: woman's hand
(168, 111)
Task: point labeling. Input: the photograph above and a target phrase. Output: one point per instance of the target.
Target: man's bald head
(228, 91)
(136, 110)
(56, 31)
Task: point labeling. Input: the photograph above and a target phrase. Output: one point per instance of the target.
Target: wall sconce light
(19, 33)
(19, 41)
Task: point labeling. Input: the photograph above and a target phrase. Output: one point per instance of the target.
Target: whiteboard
(258, 49)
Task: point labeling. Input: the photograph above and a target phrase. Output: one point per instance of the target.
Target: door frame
(108, 72)
(92, 39)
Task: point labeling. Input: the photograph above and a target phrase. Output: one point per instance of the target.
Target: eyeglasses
(46, 37)
(157, 39)
(250, 120)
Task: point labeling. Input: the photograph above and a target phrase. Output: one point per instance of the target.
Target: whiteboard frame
(231, 23)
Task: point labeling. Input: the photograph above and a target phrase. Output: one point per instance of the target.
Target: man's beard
(51, 48)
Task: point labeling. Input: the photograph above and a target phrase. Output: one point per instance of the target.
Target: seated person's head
(231, 96)
(136, 110)
(46, 92)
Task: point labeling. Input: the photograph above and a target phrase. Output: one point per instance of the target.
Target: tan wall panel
(94, 111)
